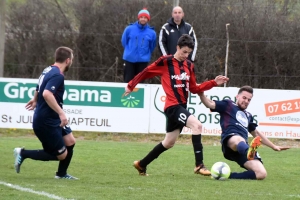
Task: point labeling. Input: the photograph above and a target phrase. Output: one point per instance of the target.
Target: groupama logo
(130, 102)
(83, 95)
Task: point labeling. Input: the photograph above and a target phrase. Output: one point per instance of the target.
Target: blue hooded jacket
(139, 41)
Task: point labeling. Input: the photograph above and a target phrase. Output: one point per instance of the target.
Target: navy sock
(243, 175)
(156, 151)
(37, 155)
(242, 148)
(198, 149)
(64, 164)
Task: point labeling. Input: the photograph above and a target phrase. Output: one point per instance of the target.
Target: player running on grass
(236, 122)
(49, 120)
(177, 78)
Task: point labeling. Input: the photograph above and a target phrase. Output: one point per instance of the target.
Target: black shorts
(229, 154)
(176, 117)
(52, 138)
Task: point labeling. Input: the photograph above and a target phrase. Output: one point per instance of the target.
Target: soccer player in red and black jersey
(177, 78)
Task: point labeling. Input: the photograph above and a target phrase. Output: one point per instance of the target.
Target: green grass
(105, 171)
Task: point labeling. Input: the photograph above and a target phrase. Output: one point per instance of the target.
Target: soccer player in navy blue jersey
(178, 79)
(235, 123)
(50, 123)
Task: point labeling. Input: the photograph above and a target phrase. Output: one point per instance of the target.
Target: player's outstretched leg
(18, 158)
(255, 143)
(141, 170)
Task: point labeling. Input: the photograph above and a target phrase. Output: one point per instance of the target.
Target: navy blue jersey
(52, 80)
(233, 119)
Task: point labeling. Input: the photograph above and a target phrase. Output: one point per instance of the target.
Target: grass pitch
(105, 171)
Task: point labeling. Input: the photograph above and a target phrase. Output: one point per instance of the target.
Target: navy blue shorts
(52, 138)
(229, 154)
(176, 117)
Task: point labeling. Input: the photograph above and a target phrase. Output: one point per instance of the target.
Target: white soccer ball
(220, 171)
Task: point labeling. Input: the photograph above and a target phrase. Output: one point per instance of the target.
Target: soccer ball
(220, 171)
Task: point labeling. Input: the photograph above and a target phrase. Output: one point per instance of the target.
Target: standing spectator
(139, 41)
(171, 32)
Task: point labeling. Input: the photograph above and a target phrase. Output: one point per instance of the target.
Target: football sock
(64, 164)
(156, 151)
(198, 149)
(243, 175)
(242, 148)
(37, 155)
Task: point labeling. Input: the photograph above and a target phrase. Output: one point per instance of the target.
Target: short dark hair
(186, 41)
(62, 54)
(246, 88)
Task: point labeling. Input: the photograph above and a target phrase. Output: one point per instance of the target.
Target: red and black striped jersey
(177, 79)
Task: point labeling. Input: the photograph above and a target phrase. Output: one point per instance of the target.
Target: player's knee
(260, 175)
(72, 141)
(168, 144)
(63, 155)
(197, 128)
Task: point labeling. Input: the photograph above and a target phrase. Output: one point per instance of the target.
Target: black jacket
(169, 35)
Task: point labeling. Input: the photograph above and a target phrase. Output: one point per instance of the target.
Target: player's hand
(127, 91)
(31, 105)
(63, 119)
(221, 79)
(280, 148)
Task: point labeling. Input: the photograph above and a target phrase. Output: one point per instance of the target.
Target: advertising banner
(277, 112)
(89, 106)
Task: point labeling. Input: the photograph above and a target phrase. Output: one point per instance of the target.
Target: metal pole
(227, 51)
(2, 36)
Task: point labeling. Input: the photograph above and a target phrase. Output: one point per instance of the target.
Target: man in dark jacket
(139, 41)
(171, 32)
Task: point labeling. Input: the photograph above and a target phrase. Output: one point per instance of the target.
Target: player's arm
(162, 41)
(267, 142)
(207, 85)
(206, 101)
(32, 103)
(155, 69)
(50, 89)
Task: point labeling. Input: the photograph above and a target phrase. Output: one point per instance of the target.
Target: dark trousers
(132, 69)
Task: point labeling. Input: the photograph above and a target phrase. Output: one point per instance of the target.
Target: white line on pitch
(42, 193)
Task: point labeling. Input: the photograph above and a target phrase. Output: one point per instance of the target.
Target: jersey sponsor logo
(183, 76)
(179, 85)
(242, 118)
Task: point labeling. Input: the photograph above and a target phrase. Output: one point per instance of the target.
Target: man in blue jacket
(139, 41)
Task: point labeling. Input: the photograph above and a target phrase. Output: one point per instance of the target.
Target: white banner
(277, 112)
(93, 106)
(90, 106)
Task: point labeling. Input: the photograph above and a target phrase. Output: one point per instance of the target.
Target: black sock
(243, 175)
(156, 151)
(64, 164)
(198, 149)
(37, 155)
